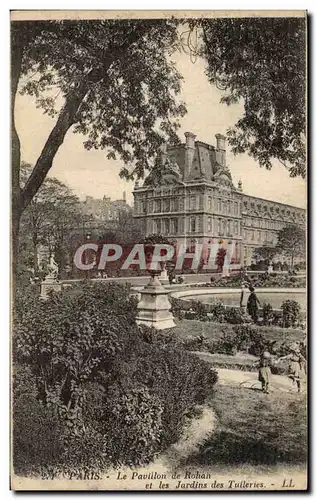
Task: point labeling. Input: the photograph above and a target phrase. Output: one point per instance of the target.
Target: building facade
(190, 197)
(105, 210)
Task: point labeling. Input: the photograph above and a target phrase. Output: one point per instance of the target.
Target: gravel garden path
(249, 380)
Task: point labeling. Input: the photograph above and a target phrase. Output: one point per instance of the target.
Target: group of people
(296, 367)
(297, 362)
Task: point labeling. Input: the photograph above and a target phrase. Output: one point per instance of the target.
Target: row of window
(255, 235)
(227, 206)
(221, 227)
(159, 206)
(195, 203)
(264, 223)
(165, 226)
(227, 227)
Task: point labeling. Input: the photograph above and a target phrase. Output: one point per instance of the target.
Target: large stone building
(105, 210)
(189, 196)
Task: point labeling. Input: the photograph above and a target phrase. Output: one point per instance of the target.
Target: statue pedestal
(154, 306)
(49, 284)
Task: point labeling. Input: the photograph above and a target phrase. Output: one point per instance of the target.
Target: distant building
(105, 210)
(190, 197)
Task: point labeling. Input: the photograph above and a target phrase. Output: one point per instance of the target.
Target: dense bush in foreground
(93, 390)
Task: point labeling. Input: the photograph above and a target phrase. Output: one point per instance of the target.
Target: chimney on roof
(190, 140)
(163, 149)
(189, 153)
(221, 150)
(221, 142)
(124, 196)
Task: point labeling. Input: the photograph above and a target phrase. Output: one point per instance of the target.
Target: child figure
(297, 365)
(264, 365)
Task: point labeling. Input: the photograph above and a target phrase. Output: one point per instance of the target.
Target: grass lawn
(187, 328)
(255, 428)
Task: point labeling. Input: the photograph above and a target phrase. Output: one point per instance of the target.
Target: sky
(90, 173)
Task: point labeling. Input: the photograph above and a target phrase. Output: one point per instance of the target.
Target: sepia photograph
(158, 250)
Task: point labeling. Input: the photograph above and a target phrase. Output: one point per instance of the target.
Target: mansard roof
(203, 163)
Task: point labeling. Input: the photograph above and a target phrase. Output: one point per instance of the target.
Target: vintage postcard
(159, 251)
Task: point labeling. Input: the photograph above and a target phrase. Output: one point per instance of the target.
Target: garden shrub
(101, 390)
(225, 345)
(195, 343)
(176, 309)
(135, 426)
(127, 420)
(259, 344)
(218, 311)
(242, 336)
(197, 310)
(69, 337)
(179, 379)
(36, 428)
(262, 280)
(291, 312)
(267, 313)
(236, 316)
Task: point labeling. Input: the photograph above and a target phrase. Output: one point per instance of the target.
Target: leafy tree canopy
(265, 252)
(261, 61)
(49, 218)
(118, 87)
(292, 241)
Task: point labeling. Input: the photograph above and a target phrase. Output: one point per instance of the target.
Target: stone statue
(53, 269)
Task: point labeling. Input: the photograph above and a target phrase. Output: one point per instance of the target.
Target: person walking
(297, 365)
(252, 304)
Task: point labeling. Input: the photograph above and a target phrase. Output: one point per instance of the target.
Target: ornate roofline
(272, 201)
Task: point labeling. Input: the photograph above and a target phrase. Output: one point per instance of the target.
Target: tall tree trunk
(67, 117)
(35, 251)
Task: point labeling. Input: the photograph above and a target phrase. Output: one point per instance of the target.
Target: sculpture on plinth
(53, 270)
(51, 282)
(154, 307)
